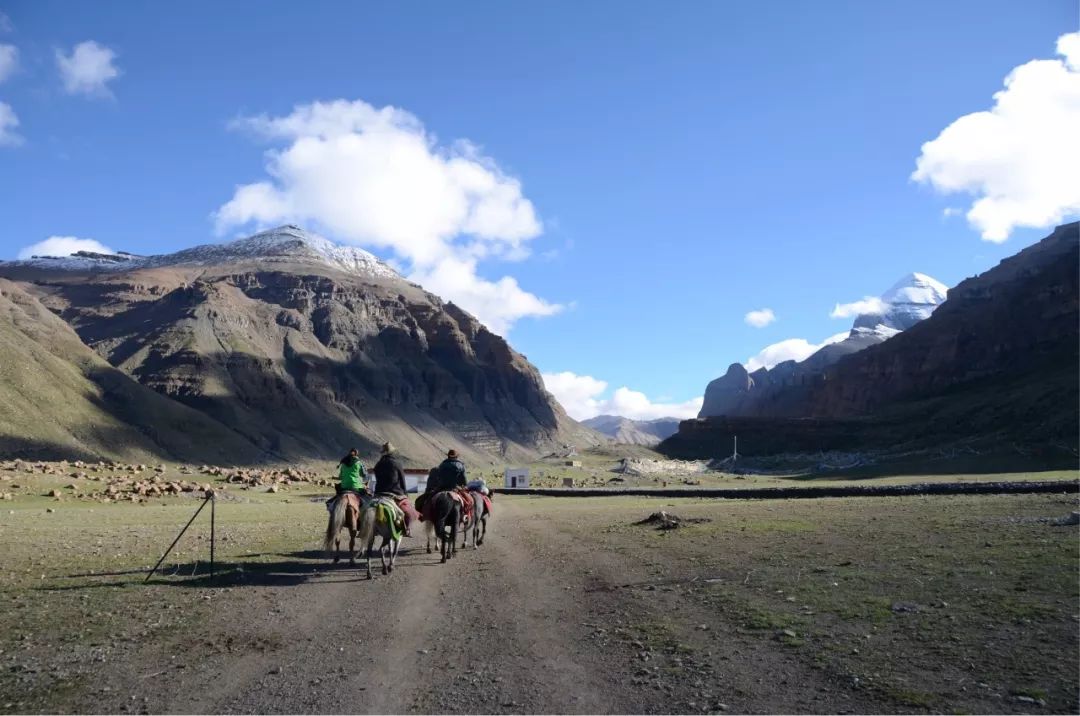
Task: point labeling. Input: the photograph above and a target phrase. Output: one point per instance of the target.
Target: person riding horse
(448, 476)
(390, 480)
(351, 475)
(451, 472)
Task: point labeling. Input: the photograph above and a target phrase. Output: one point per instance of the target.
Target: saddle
(388, 513)
(349, 495)
(426, 504)
(465, 500)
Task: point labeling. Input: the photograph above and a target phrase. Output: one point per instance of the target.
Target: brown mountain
(997, 362)
(292, 348)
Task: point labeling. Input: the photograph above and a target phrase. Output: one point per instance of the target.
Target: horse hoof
(369, 575)
(337, 559)
(429, 550)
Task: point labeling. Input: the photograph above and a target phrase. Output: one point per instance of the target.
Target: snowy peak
(285, 244)
(916, 288)
(910, 300)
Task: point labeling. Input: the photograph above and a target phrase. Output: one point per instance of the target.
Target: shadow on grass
(291, 570)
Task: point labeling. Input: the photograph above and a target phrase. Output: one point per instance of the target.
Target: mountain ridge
(302, 351)
(633, 432)
(741, 392)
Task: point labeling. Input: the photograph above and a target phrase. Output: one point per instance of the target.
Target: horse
(446, 514)
(371, 526)
(346, 514)
(480, 516)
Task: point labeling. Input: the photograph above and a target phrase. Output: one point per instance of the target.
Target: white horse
(371, 526)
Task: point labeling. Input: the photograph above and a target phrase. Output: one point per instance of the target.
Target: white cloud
(5, 23)
(1021, 158)
(869, 304)
(9, 61)
(8, 122)
(496, 303)
(376, 177)
(796, 349)
(760, 318)
(581, 397)
(88, 69)
(63, 246)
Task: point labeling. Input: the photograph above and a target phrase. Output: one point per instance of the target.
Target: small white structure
(517, 477)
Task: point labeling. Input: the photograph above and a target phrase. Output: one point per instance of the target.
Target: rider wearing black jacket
(451, 472)
(389, 476)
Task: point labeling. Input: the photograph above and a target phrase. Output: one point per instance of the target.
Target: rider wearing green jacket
(351, 475)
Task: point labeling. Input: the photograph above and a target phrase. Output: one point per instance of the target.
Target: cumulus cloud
(63, 246)
(796, 349)
(497, 303)
(8, 122)
(869, 304)
(9, 61)
(581, 397)
(374, 176)
(1020, 158)
(87, 69)
(760, 318)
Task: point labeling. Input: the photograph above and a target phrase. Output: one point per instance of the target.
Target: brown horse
(346, 515)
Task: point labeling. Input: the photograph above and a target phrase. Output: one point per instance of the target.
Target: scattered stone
(1029, 700)
(905, 607)
(1071, 519)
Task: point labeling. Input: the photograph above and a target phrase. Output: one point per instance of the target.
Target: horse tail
(366, 527)
(337, 519)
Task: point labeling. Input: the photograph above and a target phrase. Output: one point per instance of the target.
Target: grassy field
(71, 580)
(930, 601)
(965, 603)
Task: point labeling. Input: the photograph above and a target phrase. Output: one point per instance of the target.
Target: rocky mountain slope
(996, 364)
(633, 432)
(782, 389)
(297, 349)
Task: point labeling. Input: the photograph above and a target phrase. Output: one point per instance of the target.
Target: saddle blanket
(388, 513)
(427, 505)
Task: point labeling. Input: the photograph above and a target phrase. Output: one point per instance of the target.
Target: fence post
(209, 498)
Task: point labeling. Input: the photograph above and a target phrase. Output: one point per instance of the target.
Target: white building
(517, 477)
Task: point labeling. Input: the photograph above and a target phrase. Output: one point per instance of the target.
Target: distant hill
(280, 346)
(781, 389)
(633, 432)
(995, 365)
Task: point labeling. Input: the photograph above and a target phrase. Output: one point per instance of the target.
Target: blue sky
(654, 170)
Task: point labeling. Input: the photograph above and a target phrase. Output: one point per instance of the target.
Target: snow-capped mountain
(285, 244)
(911, 299)
(740, 392)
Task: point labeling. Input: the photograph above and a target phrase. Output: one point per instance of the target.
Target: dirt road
(527, 623)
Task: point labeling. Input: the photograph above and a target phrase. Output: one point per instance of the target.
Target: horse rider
(351, 475)
(390, 480)
(451, 472)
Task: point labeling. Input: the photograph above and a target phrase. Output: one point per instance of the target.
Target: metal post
(177, 539)
(213, 505)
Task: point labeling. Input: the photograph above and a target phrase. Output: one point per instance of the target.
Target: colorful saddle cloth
(388, 513)
(426, 505)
